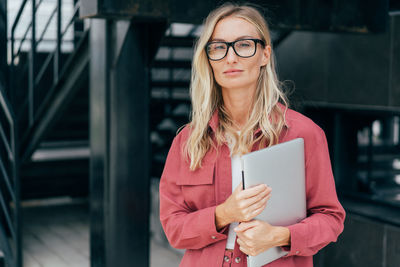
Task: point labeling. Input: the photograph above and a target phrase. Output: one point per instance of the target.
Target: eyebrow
(238, 38)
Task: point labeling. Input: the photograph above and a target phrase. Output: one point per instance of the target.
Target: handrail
(6, 106)
(76, 9)
(8, 218)
(7, 180)
(22, 40)
(5, 142)
(19, 14)
(27, 29)
(42, 70)
(47, 25)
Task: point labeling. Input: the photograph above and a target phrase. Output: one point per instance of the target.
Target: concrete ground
(57, 235)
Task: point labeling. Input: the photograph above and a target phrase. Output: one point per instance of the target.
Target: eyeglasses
(243, 48)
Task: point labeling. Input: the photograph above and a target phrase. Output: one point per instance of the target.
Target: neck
(238, 102)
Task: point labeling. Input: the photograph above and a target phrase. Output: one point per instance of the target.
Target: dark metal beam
(120, 54)
(313, 15)
(3, 46)
(32, 66)
(57, 53)
(394, 61)
(99, 134)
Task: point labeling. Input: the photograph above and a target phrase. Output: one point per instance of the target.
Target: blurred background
(92, 93)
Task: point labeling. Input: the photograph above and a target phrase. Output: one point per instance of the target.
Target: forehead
(230, 28)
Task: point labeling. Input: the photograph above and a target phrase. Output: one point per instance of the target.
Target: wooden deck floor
(58, 236)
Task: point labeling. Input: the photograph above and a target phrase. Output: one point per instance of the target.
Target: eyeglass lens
(243, 48)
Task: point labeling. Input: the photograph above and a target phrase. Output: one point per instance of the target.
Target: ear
(266, 55)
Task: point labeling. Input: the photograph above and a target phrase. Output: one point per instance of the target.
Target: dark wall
(364, 242)
(344, 69)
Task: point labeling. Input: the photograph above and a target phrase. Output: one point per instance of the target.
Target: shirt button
(237, 259)
(213, 237)
(226, 258)
(297, 252)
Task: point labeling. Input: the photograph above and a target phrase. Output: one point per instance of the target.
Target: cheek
(254, 70)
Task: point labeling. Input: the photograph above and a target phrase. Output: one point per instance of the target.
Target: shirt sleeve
(185, 228)
(325, 215)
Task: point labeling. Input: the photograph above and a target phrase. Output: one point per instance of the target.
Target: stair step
(175, 41)
(172, 64)
(65, 144)
(60, 154)
(67, 177)
(76, 186)
(171, 84)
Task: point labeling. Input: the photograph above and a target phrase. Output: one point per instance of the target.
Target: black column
(99, 132)
(3, 44)
(119, 140)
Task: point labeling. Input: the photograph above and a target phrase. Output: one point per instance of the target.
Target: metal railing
(39, 73)
(10, 230)
(42, 70)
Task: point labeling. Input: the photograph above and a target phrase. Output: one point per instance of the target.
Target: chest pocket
(198, 187)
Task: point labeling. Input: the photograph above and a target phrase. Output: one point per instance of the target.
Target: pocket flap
(203, 175)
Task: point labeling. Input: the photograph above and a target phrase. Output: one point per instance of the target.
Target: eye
(243, 44)
(216, 46)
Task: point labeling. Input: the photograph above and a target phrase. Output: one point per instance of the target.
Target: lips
(232, 71)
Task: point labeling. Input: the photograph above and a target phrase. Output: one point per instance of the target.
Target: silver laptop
(282, 168)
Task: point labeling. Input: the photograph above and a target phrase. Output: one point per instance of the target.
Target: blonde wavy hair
(206, 96)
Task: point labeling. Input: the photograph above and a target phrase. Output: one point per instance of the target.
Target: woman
(238, 107)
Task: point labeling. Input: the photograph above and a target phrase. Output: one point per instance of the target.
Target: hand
(242, 205)
(257, 236)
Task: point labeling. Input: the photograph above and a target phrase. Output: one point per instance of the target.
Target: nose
(231, 56)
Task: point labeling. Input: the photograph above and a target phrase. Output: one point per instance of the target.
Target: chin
(234, 85)
(234, 82)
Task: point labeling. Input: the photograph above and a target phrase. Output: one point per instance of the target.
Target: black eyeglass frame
(232, 44)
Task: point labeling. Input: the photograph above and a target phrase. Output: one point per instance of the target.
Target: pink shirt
(188, 200)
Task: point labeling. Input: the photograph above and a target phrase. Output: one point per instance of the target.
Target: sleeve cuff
(212, 232)
(298, 239)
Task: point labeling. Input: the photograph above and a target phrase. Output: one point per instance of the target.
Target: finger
(251, 212)
(260, 204)
(254, 210)
(256, 190)
(257, 198)
(238, 188)
(240, 242)
(257, 211)
(245, 226)
(244, 250)
(240, 236)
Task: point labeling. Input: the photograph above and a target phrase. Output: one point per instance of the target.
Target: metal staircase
(48, 110)
(46, 99)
